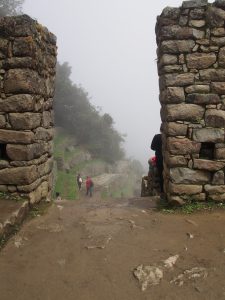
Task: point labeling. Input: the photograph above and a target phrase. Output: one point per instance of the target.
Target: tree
(10, 7)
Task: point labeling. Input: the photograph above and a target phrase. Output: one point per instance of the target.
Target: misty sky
(111, 47)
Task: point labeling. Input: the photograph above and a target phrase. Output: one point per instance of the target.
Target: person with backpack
(89, 186)
(79, 181)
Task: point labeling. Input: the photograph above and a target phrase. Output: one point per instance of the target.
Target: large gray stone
(200, 60)
(221, 57)
(25, 152)
(178, 33)
(17, 103)
(210, 165)
(212, 75)
(189, 189)
(218, 87)
(177, 46)
(211, 135)
(23, 81)
(168, 59)
(183, 112)
(176, 80)
(175, 129)
(172, 95)
(194, 3)
(218, 178)
(183, 146)
(214, 189)
(189, 176)
(198, 88)
(215, 118)
(217, 197)
(203, 98)
(18, 176)
(218, 31)
(44, 134)
(24, 46)
(25, 121)
(40, 193)
(12, 136)
(197, 13)
(170, 13)
(220, 3)
(215, 16)
(175, 161)
(220, 153)
(218, 41)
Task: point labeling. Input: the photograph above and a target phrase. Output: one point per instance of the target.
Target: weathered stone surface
(195, 3)
(214, 189)
(18, 176)
(177, 46)
(170, 13)
(197, 23)
(221, 57)
(47, 119)
(40, 193)
(176, 80)
(200, 60)
(210, 165)
(19, 62)
(211, 135)
(183, 112)
(183, 20)
(215, 16)
(220, 153)
(218, 178)
(25, 152)
(29, 188)
(44, 134)
(23, 81)
(46, 167)
(218, 87)
(217, 197)
(175, 129)
(218, 31)
(20, 137)
(172, 95)
(218, 41)
(203, 98)
(175, 200)
(220, 4)
(178, 33)
(4, 164)
(168, 59)
(188, 176)
(175, 161)
(24, 46)
(182, 146)
(215, 118)
(197, 13)
(185, 189)
(4, 46)
(197, 89)
(171, 69)
(2, 121)
(212, 74)
(25, 121)
(17, 103)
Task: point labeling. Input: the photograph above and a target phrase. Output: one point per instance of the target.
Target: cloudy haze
(111, 47)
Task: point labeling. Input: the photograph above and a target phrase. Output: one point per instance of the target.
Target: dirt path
(87, 250)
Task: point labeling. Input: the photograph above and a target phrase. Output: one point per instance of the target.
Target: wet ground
(89, 249)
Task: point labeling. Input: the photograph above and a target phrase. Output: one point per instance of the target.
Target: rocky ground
(115, 249)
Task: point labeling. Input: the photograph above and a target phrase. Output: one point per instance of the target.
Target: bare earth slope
(89, 250)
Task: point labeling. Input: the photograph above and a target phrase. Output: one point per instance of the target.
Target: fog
(111, 47)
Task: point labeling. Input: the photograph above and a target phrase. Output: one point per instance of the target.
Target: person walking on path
(79, 181)
(89, 186)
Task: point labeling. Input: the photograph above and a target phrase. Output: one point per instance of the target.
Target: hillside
(120, 179)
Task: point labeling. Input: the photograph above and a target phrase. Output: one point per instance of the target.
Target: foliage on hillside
(75, 113)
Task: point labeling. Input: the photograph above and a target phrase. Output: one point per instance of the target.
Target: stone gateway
(191, 68)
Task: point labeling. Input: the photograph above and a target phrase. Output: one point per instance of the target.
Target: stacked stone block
(27, 73)
(191, 68)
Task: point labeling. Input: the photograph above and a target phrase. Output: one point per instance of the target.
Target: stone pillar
(191, 68)
(27, 73)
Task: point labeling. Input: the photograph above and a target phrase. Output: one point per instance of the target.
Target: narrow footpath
(95, 249)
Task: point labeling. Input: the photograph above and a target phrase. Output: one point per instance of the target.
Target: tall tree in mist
(75, 113)
(10, 7)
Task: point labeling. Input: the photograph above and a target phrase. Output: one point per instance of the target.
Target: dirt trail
(87, 250)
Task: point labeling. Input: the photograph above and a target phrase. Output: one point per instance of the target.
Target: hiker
(79, 181)
(89, 186)
(156, 145)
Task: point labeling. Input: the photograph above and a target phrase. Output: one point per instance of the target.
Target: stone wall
(27, 73)
(191, 67)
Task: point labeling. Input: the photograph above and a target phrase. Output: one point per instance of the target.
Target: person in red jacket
(89, 186)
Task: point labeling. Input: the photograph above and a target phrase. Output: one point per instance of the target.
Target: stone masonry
(27, 73)
(191, 68)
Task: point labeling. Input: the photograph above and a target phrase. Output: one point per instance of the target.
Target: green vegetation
(75, 113)
(190, 207)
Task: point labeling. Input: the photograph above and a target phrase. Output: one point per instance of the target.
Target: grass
(190, 207)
